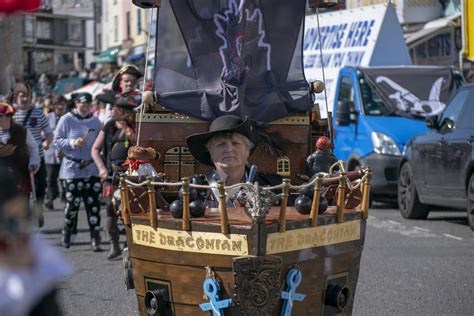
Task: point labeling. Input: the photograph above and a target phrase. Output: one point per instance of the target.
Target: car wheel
(470, 202)
(408, 202)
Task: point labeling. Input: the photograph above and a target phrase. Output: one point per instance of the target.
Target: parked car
(437, 168)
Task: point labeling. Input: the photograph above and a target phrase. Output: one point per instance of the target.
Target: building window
(179, 163)
(139, 21)
(74, 32)
(283, 166)
(128, 24)
(29, 28)
(116, 29)
(44, 30)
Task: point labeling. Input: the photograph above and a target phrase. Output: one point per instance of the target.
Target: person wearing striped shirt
(34, 120)
(74, 136)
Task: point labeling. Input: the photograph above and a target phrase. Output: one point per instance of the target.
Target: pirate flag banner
(231, 57)
(420, 92)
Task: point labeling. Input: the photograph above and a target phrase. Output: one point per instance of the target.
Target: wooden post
(124, 200)
(341, 198)
(186, 214)
(284, 203)
(152, 202)
(315, 206)
(223, 209)
(366, 195)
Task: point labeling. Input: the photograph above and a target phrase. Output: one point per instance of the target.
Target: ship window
(178, 163)
(283, 166)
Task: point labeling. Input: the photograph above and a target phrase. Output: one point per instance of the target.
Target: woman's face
(116, 113)
(128, 83)
(23, 100)
(229, 151)
(83, 108)
(59, 108)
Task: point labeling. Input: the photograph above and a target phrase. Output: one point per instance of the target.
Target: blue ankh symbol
(293, 279)
(211, 287)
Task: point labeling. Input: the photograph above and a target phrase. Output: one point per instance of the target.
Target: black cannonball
(192, 193)
(303, 204)
(323, 204)
(308, 191)
(176, 209)
(197, 208)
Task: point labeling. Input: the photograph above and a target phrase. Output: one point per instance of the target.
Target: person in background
(74, 136)
(18, 149)
(52, 155)
(109, 153)
(104, 101)
(30, 269)
(33, 119)
(125, 82)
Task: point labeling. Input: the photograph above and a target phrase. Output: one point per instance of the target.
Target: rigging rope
(324, 77)
(150, 15)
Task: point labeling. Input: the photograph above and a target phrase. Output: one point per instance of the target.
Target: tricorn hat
(223, 124)
(129, 69)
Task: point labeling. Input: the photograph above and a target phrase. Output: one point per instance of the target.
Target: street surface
(407, 268)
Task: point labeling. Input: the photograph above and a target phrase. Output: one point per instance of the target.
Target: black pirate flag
(240, 57)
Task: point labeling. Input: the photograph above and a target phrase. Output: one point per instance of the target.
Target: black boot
(115, 250)
(95, 241)
(66, 239)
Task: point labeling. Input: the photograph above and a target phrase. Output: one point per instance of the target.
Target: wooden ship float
(263, 256)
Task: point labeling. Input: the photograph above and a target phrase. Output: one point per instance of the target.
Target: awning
(425, 31)
(108, 56)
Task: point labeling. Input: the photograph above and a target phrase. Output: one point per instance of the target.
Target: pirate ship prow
(260, 257)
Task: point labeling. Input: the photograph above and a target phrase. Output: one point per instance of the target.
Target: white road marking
(453, 237)
(422, 229)
(396, 227)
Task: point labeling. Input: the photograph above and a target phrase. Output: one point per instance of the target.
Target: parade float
(290, 249)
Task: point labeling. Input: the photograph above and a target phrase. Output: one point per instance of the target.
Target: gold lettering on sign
(177, 240)
(318, 236)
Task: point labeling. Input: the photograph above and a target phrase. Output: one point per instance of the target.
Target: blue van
(378, 109)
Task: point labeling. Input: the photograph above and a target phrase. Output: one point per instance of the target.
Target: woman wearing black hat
(227, 146)
(113, 142)
(75, 134)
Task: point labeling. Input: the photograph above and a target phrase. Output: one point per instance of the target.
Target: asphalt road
(408, 268)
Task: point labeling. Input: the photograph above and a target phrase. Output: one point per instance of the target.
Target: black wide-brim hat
(108, 97)
(129, 69)
(82, 97)
(223, 124)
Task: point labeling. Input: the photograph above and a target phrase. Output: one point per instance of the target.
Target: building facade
(432, 28)
(57, 39)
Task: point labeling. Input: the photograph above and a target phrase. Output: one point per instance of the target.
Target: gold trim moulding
(183, 119)
(167, 118)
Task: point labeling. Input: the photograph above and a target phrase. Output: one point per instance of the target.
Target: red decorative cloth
(134, 163)
(11, 6)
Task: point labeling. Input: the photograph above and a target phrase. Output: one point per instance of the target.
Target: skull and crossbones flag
(240, 57)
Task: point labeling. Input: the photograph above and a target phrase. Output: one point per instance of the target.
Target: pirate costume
(78, 170)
